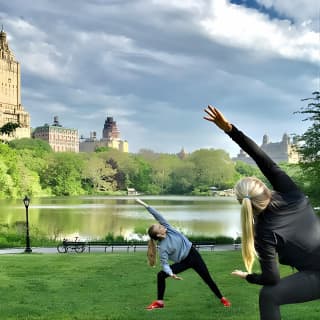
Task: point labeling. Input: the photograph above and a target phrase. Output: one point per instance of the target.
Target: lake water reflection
(95, 217)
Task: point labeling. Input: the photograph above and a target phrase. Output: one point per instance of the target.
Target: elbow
(271, 280)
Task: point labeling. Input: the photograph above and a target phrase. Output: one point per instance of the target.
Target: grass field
(118, 286)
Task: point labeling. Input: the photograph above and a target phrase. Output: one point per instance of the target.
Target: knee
(266, 294)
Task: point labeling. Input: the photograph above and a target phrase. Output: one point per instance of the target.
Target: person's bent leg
(300, 287)
(200, 267)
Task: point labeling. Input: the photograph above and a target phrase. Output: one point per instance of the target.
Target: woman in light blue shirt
(176, 247)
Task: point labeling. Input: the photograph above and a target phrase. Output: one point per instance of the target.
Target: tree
(309, 147)
(163, 167)
(63, 174)
(213, 168)
(310, 140)
(98, 175)
(9, 128)
(37, 146)
(182, 178)
(246, 170)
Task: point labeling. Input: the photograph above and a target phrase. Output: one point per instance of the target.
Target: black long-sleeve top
(288, 227)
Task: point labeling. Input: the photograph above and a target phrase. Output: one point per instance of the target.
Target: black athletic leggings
(194, 261)
(299, 287)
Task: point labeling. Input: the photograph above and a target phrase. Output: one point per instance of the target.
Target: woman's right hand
(175, 277)
(141, 202)
(215, 116)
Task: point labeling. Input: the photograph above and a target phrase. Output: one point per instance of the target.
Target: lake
(92, 217)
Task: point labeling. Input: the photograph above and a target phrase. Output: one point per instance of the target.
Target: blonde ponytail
(152, 252)
(254, 197)
(248, 250)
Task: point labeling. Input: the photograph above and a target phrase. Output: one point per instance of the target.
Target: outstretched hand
(215, 116)
(240, 274)
(175, 277)
(141, 202)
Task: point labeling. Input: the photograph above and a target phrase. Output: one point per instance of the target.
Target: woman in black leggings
(174, 246)
(275, 222)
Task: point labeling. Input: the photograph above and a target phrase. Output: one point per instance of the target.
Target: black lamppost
(26, 202)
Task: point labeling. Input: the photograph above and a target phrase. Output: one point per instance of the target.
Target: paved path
(34, 250)
(54, 250)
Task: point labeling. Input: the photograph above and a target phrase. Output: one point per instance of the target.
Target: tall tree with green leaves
(63, 174)
(309, 147)
(213, 168)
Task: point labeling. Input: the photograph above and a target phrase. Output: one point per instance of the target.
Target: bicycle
(69, 246)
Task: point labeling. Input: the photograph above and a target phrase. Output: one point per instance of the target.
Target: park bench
(204, 244)
(80, 246)
(113, 245)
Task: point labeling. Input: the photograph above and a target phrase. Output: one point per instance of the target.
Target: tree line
(29, 166)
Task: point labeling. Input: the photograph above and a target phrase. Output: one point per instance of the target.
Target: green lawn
(118, 286)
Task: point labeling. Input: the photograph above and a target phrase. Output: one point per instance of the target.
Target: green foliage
(28, 166)
(14, 235)
(246, 170)
(182, 179)
(141, 179)
(213, 168)
(309, 146)
(38, 147)
(102, 149)
(97, 174)
(9, 128)
(63, 174)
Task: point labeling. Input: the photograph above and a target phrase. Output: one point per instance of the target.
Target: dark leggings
(194, 261)
(299, 287)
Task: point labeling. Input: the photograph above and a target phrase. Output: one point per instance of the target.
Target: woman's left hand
(175, 277)
(240, 274)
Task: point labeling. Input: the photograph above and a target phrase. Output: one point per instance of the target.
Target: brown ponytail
(152, 253)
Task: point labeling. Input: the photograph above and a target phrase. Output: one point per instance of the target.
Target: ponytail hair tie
(247, 197)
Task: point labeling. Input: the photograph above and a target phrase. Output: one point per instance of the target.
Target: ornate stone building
(60, 139)
(11, 110)
(110, 138)
(283, 151)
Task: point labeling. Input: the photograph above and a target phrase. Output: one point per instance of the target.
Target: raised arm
(278, 178)
(154, 213)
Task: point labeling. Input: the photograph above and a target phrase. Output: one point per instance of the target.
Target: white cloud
(39, 54)
(301, 10)
(237, 26)
(153, 65)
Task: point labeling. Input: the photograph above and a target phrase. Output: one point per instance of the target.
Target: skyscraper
(11, 109)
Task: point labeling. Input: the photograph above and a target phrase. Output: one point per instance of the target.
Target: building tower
(11, 110)
(110, 130)
(110, 139)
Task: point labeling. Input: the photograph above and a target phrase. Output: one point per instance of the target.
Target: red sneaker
(155, 305)
(225, 302)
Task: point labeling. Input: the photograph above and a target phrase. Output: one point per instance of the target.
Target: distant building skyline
(283, 151)
(60, 139)
(110, 138)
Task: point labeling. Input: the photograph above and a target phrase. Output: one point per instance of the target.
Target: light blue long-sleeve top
(175, 246)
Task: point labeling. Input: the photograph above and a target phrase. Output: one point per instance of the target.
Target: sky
(154, 65)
